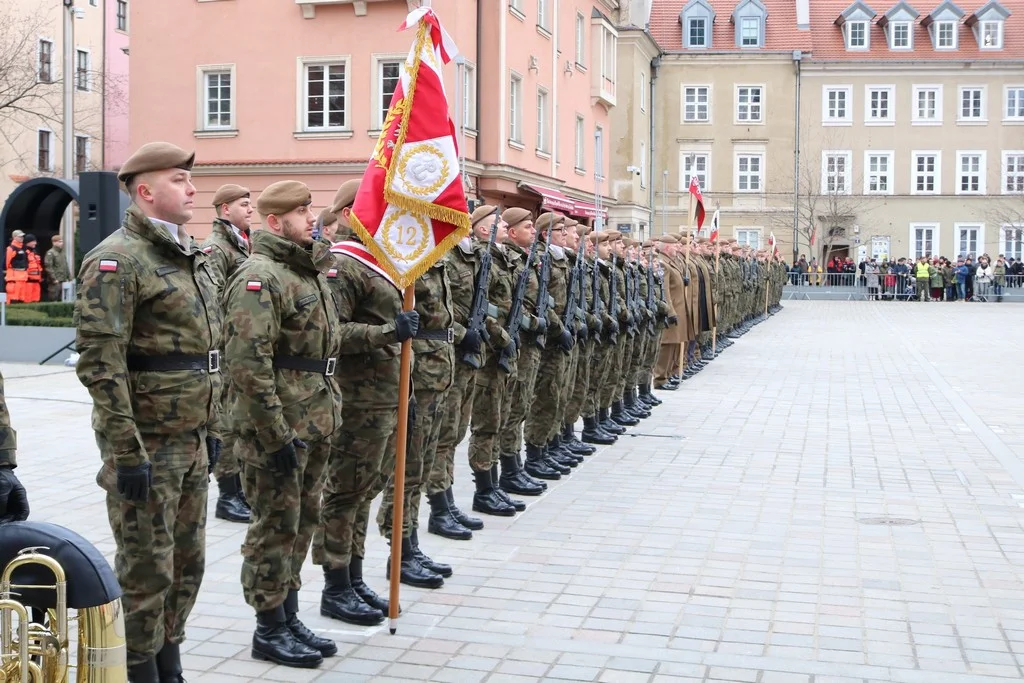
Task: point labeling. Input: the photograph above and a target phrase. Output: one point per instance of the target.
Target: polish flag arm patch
(108, 266)
(254, 285)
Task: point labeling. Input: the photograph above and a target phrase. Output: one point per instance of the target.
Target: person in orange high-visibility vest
(33, 288)
(16, 264)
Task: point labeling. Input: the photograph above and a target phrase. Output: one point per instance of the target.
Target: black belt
(208, 362)
(447, 334)
(320, 366)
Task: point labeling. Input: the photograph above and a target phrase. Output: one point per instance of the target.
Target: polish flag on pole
(411, 206)
(695, 191)
(814, 234)
(714, 226)
(773, 244)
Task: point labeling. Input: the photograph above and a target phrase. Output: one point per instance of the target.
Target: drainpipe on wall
(655, 65)
(554, 90)
(797, 56)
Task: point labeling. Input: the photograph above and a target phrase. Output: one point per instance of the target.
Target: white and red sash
(360, 253)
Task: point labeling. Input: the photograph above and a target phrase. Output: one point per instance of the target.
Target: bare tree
(1007, 215)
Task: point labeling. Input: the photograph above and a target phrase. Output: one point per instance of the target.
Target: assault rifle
(478, 311)
(544, 300)
(597, 306)
(573, 310)
(613, 299)
(652, 305)
(632, 297)
(515, 312)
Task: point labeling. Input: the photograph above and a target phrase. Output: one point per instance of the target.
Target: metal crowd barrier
(898, 287)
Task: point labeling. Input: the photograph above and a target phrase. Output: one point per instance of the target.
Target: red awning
(552, 199)
(587, 210)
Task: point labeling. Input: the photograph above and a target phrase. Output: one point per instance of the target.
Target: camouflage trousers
(161, 542)
(419, 459)
(359, 448)
(456, 412)
(542, 418)
(625, 366)
(227, 466)
(579, 380)
(490, 388)
(650, 357)
(285, 514)
(519, 397)
(598, 360)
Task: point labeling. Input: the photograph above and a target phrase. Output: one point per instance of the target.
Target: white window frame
(39, 62)
(847, 174)
(79, 87)
(516, 8)
(543, 142)
(909, 26)
(937, 173)
(203, 72)
(890, 118)
(1012, 247)
(581, 144)
(544, 16)
(936, 234)
(51, 151)
(761, 89)
(979, 247)
(469, 97)
(958, 180)
(703, 177)
(515, 104)
(999, 26)
(1018, 91)
(696, 103)
(983, 109)
(1018, 171)
(846, 120)
(939, 25)
(848, 34)
(743, 233)
(706, 21)
(737, 173)
(889, 156)
(88, 151)
(609, 57)
(643, 164)
(744, 21)
(914, 111)
(377, 76)
(581, 41)
(303, 99)
(118, 6)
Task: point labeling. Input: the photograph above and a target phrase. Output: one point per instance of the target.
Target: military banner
(411, 207)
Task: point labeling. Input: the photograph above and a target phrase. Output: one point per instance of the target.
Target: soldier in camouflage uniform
(148, 327)
(372, 327)
(226, 248)
(55, 265)
(13, 499)
(596, 348)
(281, 352)
(577, 377)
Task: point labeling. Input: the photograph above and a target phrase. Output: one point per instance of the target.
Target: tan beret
(226, 194)
(156, 156)
(345, 195)
(614, 235)
(547, 220)
(649, 244)
(569, 222)
(481, 213)
(515, 215)
(327, 217)
(17, 234)
(282, 197)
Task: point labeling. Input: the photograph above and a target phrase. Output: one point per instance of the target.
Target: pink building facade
(299, 91)
(116, 143)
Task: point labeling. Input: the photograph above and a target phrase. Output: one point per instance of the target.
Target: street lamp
(70, 14)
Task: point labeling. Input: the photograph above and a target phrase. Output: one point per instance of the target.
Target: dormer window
(943, 26)
(992, 35)
(857, 35)
(698, 32)
(749, 20)
(899, 36)
(987, 25)
(898, 24)
(749, 32)
(945, 36)
(698, 20)
(855, 22)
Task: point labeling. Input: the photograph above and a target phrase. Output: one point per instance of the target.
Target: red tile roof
(781, 32)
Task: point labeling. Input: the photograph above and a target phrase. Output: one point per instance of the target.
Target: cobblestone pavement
(749, 531)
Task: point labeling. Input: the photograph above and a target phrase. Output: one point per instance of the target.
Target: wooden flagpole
(714, 328)
(402, 440)
(686, 263)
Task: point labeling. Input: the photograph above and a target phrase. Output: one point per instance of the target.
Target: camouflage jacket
(434, 359)
(367, 304)
(279, 304)
(558, 287)
(141, 294)
(56, 266)
(8, 437)
(225, 252)
(620, 292)
(604, 273)
(463, 265)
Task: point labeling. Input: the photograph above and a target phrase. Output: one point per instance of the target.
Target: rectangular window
(44, 157)
(543, 15)
(469, 96)
(542, 120)
(516, 5)
(928, 104)
(581, 33)
(81, 70)
(696, 103)
(835, 178)
(748, 104)
(992, 35)
(837, 106)
(697, 32)
(879, 105)
(946, 35)
(1012, 242)
(1015, 103)
(878, 179)
(122, 15)
(748, 173)
(45, 59)
(81, 153)
(857, 35)
(217, 112)
(599, 158)
(971, 173)
(643, 164)
(1013, 172)
(389, 74)
(900, 32)
(967, 239)
(580, 142)
(515, 113)
(325, 101)
(926, 173)
(608, 61)
(750, 32)
(749, 237)
(696, 165)
(924, 240)
(972, 104)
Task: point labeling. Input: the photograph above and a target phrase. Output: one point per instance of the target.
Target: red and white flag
(814, 234)
(773, 244)
(411, 206)
(714, 226)
(695, 191)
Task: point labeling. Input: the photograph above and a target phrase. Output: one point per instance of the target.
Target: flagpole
(714, 328)
(686, 259)
(402, 441)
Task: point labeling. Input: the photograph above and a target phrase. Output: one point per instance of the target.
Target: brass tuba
(48, 569)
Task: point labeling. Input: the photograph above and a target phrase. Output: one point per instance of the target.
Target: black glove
(673, 320)
(285, 460)
(13, 499)
(470, 342)
(213, 448)
(686, 281)
(133, 482)
(407, 324)
(565, 341)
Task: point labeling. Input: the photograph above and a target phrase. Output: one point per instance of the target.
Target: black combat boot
(325, 646)
(574, 444)
(537, 466)
(525, 476)
(565, 453)
(592, 433)
(441, 568)
(146, 672)
(339, 600)
(487, 500)
(621, 417)
(168, 663)
(557, 460)
(512, 479)
(471, 523)
(609, 425)
(413, 573)
(355, 575)
(231, 506)
(649, 396)
(630, 407)
(274, 642)
(442, 522)
(501, 493)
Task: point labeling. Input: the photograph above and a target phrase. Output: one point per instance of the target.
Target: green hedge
(44, 314)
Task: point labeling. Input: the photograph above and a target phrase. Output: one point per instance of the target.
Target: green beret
(282, 197)
(226, 194)
(345, 195)
(327, 217)
(481, 213)
(546, 220)
(156, 156)
(515, 215)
